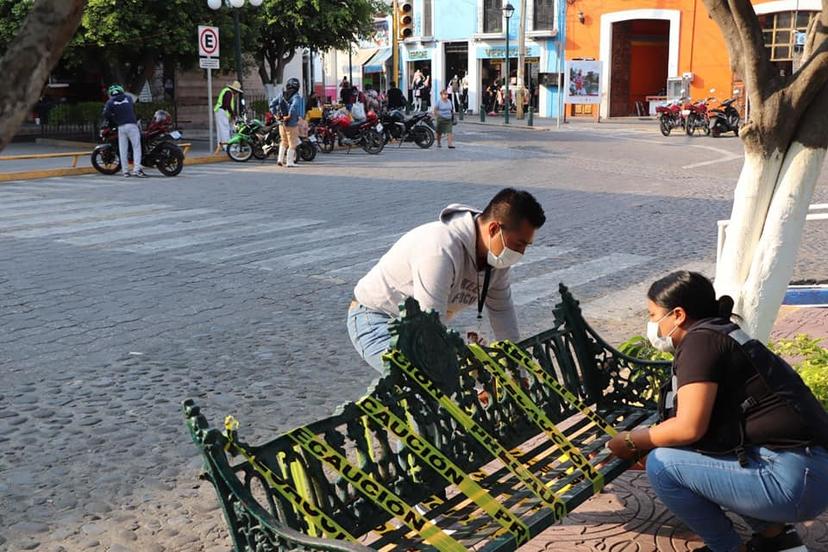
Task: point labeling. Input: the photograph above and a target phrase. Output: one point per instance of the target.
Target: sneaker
(127, 175)
(787, 541)
(140, 173)
(451, 147)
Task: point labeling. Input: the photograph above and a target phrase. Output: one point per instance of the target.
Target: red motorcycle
(158, 147)
(339, 128)
(670, 117)
(697, 117)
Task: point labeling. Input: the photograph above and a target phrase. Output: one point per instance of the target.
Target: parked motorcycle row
(159, 147)
(335, 128)
(693, 117)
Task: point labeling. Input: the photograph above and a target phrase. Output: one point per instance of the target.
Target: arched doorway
(640, 50)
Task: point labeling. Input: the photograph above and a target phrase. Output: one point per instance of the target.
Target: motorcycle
(270, 142)
(158, 147)
(725, 119)
(414, 129)
(670, 117)
(341, 129)
(697, 118)
(247, 140)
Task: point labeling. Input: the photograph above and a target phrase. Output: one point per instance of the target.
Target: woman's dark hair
(693, 292)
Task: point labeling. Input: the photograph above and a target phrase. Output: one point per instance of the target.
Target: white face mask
(663, 344)
(508, 257)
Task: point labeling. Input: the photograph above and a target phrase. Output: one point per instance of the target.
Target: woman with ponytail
(739, 431)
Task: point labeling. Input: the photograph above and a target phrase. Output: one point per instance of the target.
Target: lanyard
(481, 299)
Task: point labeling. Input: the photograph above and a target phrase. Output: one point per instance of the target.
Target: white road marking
(544, 286)
(326, 253)
(76, 228)
(134, 234)
(100, 214)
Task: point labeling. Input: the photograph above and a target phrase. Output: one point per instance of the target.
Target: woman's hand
(619, 447)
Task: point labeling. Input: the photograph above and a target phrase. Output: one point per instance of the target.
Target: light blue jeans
(775, 487)
(369, 334)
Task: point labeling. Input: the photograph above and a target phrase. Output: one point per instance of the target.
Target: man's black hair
(512, 206)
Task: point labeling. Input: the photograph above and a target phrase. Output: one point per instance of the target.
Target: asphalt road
(230, 284)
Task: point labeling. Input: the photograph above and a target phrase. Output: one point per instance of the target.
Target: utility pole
(395, 45)
(521, 69)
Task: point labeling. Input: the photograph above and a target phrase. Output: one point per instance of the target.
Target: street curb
(77, 171)
(522, 126)
(64, 143)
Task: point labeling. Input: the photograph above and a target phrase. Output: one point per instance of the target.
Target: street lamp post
(508, 11)
(216, 5)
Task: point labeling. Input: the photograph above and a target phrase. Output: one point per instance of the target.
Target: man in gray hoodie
(460, 260)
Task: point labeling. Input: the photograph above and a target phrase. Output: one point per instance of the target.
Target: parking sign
(208, 41)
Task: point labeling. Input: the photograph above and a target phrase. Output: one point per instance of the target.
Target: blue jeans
(369, 334)
(775, 487)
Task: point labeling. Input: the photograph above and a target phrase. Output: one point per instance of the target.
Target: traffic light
(405, 20)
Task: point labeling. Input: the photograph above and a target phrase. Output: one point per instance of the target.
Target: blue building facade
(467, 38)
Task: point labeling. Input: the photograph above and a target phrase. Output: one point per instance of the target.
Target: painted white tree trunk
(761, 244)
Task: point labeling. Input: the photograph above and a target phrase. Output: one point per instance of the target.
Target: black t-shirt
(709, 356)
(395, 98)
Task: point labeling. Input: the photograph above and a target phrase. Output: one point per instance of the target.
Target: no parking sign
(208, 41)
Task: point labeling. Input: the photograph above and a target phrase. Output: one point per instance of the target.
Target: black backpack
(779, 383)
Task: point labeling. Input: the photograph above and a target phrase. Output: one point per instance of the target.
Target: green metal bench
(457, 447)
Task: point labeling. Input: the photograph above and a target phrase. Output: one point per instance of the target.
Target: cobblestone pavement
(229, 284)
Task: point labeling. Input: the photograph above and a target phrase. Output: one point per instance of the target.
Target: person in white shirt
(460, 260)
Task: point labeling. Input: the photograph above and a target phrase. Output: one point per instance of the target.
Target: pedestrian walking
(739, 429)
(396, 99)
(226, 110)
(462, 259)
(120, 110)
(289, 111)
(444, 115)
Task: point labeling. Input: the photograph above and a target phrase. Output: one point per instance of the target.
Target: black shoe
(787, 541)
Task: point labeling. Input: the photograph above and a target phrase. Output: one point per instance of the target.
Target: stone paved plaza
(229, 284)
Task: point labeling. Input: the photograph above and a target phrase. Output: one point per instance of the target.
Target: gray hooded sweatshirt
(436, 264)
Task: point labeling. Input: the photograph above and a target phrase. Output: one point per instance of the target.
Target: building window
(492, 16)
(427, 11)
(780, 30)
(543, 18)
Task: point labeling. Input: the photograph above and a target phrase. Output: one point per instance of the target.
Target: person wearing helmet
(226, 109)
(288, 111)
(120, 111)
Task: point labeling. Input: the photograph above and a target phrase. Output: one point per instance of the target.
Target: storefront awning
(358, 58)
(377, 63)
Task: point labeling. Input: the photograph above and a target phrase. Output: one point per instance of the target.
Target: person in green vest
(226, 109)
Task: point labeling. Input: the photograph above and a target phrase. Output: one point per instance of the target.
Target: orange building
(646, 43)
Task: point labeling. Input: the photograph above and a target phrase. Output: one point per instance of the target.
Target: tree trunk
(31, 56)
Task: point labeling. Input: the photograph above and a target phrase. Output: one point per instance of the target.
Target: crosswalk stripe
(540, 253)
(325, 253)
(102, 213)
(75, 228)
(7, 216)
(532, 289)
(34, 204)
(135, 234)
(217, 235)
(15, 197)
(223, 254)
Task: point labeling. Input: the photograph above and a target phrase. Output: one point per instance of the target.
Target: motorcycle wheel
(736, 130)
(423, 137)
(707, 127)
(326, 142)
(372, 142)
(715, 132)
(105, 160)
(170, 160)
(664, 127)
(307, 151)
(690, 125)
(240, 151)
(259, 152)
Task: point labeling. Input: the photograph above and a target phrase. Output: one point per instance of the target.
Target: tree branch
(719, 10)
(758, 72)
(812, 75)
(31, 57)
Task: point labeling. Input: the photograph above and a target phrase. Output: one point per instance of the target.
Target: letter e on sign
(208, 41)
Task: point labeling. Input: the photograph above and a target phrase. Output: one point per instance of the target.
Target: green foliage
(640, 347)
(12, 14)
(810, 360)
(285, 25)
(90, 112)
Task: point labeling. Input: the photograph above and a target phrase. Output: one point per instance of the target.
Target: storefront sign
(499, 52)
(416, 55)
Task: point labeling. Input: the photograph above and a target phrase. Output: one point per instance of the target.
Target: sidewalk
(627, 517)
(572, 123)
